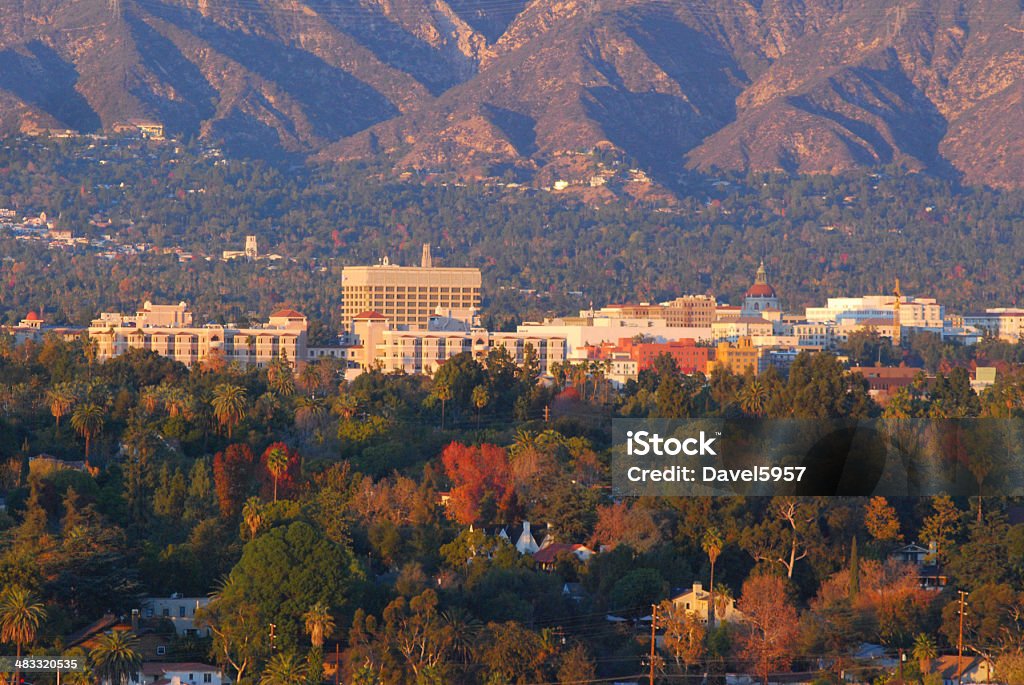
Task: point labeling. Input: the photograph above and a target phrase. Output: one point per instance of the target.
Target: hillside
(540, 91)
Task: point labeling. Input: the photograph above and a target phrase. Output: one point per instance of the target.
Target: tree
(229, 402)
(61, 398)
(623, 524)
(924, 651)
(480, 399)
(754, 397)
(233, 478)
(787, 533)
(576, 666)
(115, 658)
(239, 632)
(685, 634)
(881, 521)
(20, 617)
(443, 392)
(943, 527)
(319, 623)
(854, 570)
(286, 668)
(511, 653)
(771, 626)
(87, 420)
(482, 489)
(284, 572)
(712, 544)
(415, 630)
(280, 377)
(252, 516)
(277, 463)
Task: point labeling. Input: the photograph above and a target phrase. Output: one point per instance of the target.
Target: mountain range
(541, 90)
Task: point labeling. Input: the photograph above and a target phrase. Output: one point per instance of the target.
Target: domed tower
(760, 296)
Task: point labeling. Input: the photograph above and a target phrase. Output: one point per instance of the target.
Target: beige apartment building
(425, 351)
(168, 330)
(407, 296)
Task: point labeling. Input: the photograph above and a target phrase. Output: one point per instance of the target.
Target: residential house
(548, 555)
(696, 600)
(180, 611)
(975, 669)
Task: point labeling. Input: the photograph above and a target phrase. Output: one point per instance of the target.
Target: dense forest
(314, 504)
(821, 236)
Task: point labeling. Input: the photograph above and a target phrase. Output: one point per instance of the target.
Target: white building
(188, 673)
(178, 610)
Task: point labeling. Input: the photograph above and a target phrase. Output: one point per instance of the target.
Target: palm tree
(754, 398)
(277, 464)
(252, 516)
(60, 398)
(712, 545)
(87, 420)
(480, 399)
(150, 399)
(924, 652)
(115, 658)
(464, 631)
(83, 676)
(280, 377)
(345, 405)
(228, 405)
(319, 623)
(284, 669)
(309, 412)
(310, 378)
(20, 617)
(443, 392)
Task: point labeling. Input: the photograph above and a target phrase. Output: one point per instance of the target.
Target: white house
(188, 673)
(178, 610)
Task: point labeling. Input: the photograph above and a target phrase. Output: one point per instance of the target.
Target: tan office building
(407, 296)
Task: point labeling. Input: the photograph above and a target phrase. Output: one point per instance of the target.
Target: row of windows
(405, 289)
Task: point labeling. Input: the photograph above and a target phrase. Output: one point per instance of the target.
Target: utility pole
(654, 626)
(547, 413)
(337, 662)
(960, 642)
(900, 665)
(273, 627)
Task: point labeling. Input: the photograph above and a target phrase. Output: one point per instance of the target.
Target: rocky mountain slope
(541, 89)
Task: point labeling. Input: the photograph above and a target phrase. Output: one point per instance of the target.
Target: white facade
(180, 611)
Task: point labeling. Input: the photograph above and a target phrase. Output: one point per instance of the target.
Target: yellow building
(168, 331)
(736, 358)
(407, 296)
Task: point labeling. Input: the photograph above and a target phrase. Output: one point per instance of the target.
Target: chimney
(698, 588)
(426, 262)
(135, 620)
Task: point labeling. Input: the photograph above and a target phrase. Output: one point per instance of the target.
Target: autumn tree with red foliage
(771, 625)
(286, 481)
(482, 484)
(233, 478)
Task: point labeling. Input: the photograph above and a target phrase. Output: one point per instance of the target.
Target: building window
(181, 611)
(161, 650)
(207, 677)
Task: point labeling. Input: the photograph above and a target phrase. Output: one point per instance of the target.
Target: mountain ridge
(540, 90)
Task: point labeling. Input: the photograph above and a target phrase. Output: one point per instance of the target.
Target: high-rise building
(407, 296)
